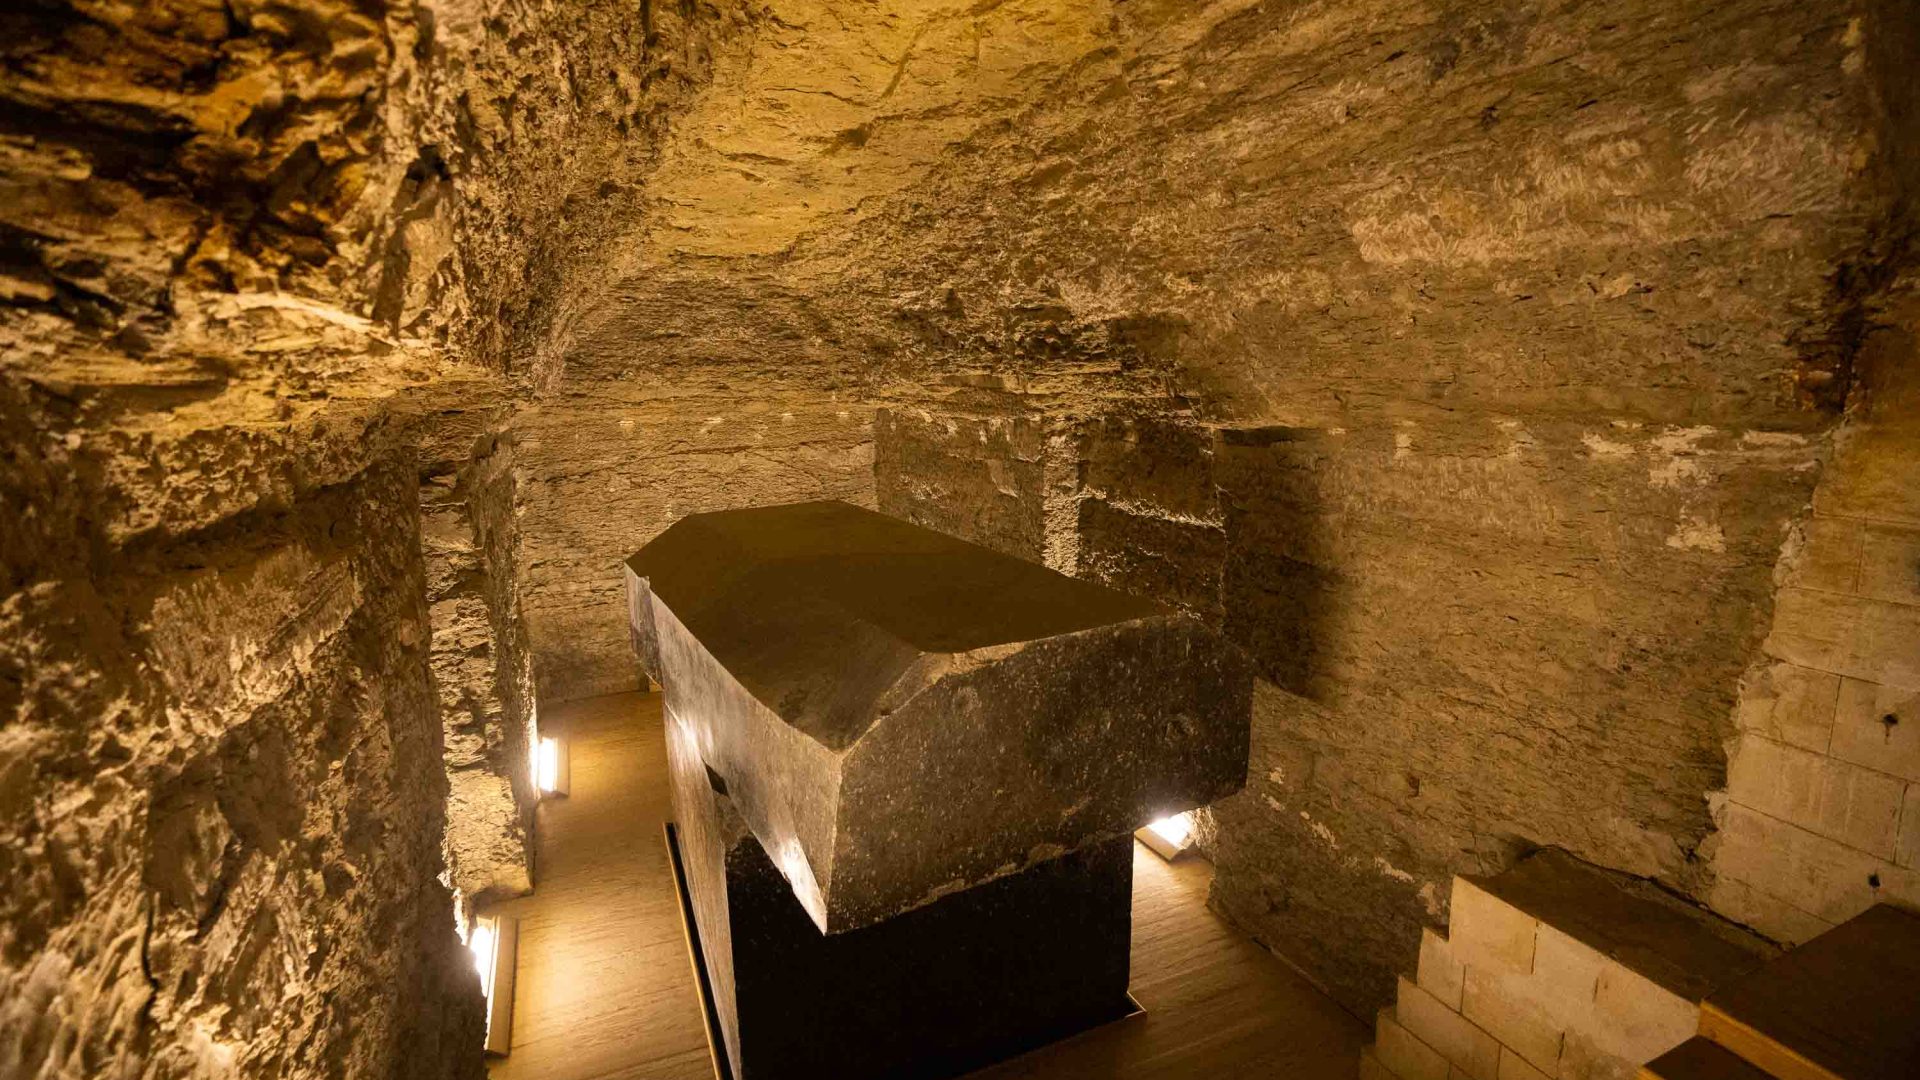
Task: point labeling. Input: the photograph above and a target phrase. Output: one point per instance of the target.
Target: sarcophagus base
(974, 977)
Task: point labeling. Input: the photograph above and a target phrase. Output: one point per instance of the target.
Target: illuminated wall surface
(1527, 392)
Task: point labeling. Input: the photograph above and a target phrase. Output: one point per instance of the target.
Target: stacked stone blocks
(1506, 995)
(1821, 815)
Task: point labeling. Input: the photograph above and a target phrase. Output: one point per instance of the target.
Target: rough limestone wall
(714, 374)
(222, 790)
(534, 122)
(653, 422)
(977, 477)
(1469, 367)
(482, 664)
(240, 246)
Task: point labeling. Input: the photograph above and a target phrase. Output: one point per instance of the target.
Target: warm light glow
(481, 942)
(534, 742)
(549, 763)
(494, 942)
(1174, 830)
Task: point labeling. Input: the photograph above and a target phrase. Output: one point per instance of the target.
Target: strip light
(494, 941)
(552, 771)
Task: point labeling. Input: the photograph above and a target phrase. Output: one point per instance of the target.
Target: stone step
(1844, 1006)
(1558, 969)
(1681, 948)
(1370, 1067)
(1700, 1058)
(1404, 1054)
(1583, 972)
(1468, 1048)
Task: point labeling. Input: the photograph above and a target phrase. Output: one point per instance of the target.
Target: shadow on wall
(1279, 585)
(1476, 635)
(597, 481)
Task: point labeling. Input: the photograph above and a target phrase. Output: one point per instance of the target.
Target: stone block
(1403, 1053)
(1583, 1058)
(1791, 704)
(1856, 806)
(486, 845)
(1440, 972)
(1487, 931)
(1636, 1019)
(1566, 972)
(1829, 555)
(978, 477)
(1515, 1067)
(1504, 1005)
(1748, 905)
(1854, 636)
(1176, 562)
(1871, 475)
(900, 715)
(1898, 885)
(1878, 727)
(1371, 1068)
(1471, 1050)
(1162, 468)
(1818, 876)
(1890, 564)
(995, 970)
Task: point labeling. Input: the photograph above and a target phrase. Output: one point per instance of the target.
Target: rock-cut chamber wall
(269, 275)
(1472, 369)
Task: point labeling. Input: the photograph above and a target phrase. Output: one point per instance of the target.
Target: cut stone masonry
(1556, 969)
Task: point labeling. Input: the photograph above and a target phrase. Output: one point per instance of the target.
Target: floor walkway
(604, 989)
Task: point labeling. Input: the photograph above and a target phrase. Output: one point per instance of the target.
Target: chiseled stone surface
(221, 791)
(256, 258)
(1467, 364)
(482, 661)
(1403, 377)
(967, 979)
(900, 715)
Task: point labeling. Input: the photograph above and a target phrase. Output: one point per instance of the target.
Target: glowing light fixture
(1169, 837)
(494, 942)
(551, 771)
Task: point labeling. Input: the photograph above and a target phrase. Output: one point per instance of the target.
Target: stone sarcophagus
(905, 769)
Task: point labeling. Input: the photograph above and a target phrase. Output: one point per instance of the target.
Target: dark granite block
(968, 979)
(902, 716)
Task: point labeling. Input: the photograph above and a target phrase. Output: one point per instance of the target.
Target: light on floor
(553, 775)
(494, 941)
(1169, 836)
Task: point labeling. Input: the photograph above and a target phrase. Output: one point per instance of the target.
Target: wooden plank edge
(1759, 1049)
(689, 932)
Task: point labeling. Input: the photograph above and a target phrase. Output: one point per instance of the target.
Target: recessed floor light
(1170, 836)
